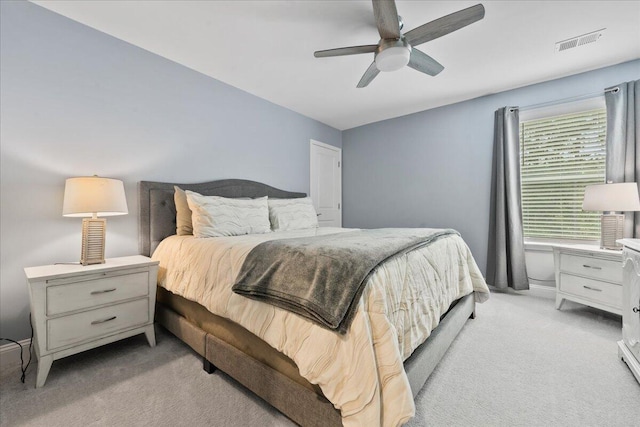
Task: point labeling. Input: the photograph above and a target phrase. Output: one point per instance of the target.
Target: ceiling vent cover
(579, 40)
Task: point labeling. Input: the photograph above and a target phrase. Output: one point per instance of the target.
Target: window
(560, 155)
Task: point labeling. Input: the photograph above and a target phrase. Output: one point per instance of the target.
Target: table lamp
(90, 197)
(620, 197)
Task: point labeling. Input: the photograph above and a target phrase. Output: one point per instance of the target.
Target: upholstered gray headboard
(157, 210)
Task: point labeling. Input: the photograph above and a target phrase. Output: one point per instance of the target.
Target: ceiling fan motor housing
(392, 55)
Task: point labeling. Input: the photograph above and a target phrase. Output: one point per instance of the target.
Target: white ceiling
(266, 48)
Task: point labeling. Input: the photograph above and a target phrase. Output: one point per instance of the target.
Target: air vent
(579, 40)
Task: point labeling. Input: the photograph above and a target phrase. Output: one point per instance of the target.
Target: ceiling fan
(395, 50)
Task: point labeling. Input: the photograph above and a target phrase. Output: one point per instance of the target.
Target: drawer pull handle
(636, 309)
(592, 289)
(108, 319)
(591, 266)
(102, 292)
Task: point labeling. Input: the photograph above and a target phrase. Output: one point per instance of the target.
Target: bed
(240, 349)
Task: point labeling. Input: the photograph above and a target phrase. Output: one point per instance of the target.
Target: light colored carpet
(519, 363)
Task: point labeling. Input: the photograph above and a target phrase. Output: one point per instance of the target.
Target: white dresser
(629, 347)
(588, 275)
(75, 308)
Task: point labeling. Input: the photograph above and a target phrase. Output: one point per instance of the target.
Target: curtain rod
(573, 98)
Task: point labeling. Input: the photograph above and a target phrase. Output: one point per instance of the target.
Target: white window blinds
(559, 156)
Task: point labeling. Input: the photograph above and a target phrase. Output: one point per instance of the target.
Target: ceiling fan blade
(369, 75)
(351, 50)
(386, 18)
(445, 25)
(424, 63)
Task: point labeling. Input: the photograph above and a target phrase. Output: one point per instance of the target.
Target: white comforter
(361, 372)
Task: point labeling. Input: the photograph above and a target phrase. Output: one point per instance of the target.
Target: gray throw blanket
(322, 277)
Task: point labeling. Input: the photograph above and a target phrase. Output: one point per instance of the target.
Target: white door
(326, 183)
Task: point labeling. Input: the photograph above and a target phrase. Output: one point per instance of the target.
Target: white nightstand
(75, 308)
(589, 275)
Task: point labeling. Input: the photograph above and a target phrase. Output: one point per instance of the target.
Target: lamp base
(611, 230)
(93, 233)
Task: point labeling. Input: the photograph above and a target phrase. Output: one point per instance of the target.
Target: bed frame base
(426, 357)
(297, 402)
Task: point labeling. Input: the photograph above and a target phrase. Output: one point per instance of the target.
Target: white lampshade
(94, 196)
(620, 197)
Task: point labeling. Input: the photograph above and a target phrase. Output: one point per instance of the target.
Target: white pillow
(292, 214)
(215, 216)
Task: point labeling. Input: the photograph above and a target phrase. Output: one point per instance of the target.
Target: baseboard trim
(546, 288)
(10, 354)
(543, 291)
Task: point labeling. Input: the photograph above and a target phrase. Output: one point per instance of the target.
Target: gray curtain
(623, 142)
(505, 259)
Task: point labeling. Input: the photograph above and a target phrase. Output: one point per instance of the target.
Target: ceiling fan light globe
(393, 58)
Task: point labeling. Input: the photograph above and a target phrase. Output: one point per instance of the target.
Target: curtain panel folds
(623, 142)
(505, 259)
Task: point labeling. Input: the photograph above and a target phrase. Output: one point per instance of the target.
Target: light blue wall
(433, 168)
(75, 101)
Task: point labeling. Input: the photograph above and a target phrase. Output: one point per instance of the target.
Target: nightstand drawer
(596, 268)
(603, 292)
(90, 292)
(84, 326)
